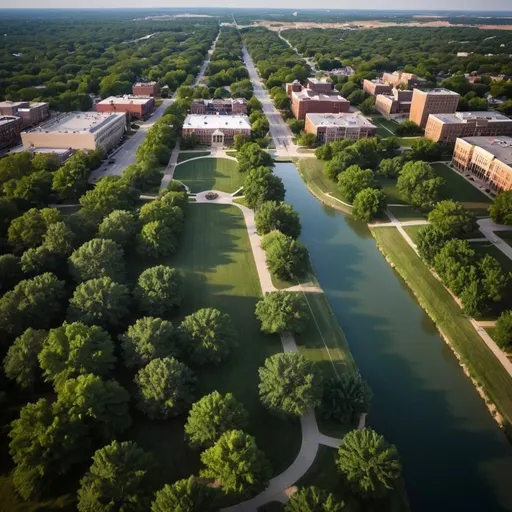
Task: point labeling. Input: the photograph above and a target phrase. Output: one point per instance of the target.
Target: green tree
(503, 332)
(119, 226)
(418, 184)
(37, 260)
(313, 499)
(452, 219)
(367, 107)
(353, 180)
(165, 388)
(390, 167)
(159, 289)
(8, 212)
(369, 463)
(156, 240)
(97, 258)
(261, 185)
(29, 229)
(282, 311)
(473, 299)
(425, 150)
(500, 210)
(35, 302)
(70, 180)
(368, 204)
(21, 363)
(118, 479)
(211, 416)
(346, 398)
(273, 215)
(494, 279)
(251, 156)
(59, 239)
(429, 242)
(339, 163)
(307, 140)
(408, 128)
(76, 349)
(34, 188)
(289, 384)
(236, 463)
(190, 495)
(99, 301)
(10, 271)
(147, 339)
(286, 258)
(207, 336)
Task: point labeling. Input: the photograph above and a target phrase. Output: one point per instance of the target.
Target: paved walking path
(173, 162)
(491, 230)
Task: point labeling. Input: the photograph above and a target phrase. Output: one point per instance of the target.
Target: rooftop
(500, 147)
(437, 90)
(123, 100)
(341, 120)
(34, 104)
(318, 81)
(144, 84)
(221, 101)
(464, 117)
(7, 119)
(216, 122)
(79, 122)
(308, 94)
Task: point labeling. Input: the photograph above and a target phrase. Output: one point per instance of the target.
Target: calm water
(455, 456)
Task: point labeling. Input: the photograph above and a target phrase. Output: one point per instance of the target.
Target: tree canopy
(190, 495)
(313, 499)
(262, 185)
(282, 311)
(452, 219)
(273, 215)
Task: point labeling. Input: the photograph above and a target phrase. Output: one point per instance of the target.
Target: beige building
(398, 102)
(217, 130)
(449, 127)
(331, 127)
(398, 78)
(377, 86)
(78, 130)
(432, 101)
(487, 158)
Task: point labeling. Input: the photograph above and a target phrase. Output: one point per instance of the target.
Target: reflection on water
(454, 454)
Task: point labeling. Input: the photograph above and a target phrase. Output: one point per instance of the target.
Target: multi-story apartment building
(398, 78)
(78, 130)
(398, 102)
(432, 101)
(10, 129)
(487, 158)
(31, 113)
(449, 127)
(318, 97)
(331, 127)
(221, 106)
(377, 86)
(135, 106)
(146, 89)
(216, 130)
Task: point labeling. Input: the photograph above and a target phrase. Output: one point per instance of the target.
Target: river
(455, 456)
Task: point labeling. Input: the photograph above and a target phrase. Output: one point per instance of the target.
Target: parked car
(112, 161)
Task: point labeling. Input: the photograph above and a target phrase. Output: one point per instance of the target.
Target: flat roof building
(398, 78)
(377, 86)
(31, 113)
(78, 130)
(136, 107)
(221, 106)
(218, 130)
(396, 103)
(487, 158)
(432, 101)
(10, 129)
(448, 127)
(331, 127)
(146, 89)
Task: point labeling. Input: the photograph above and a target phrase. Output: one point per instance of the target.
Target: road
(309, 60)
(206, 62)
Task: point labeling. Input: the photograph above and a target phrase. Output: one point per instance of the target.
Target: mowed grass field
(187, 155)
(216, 260)
(209, 174)
(447, 315)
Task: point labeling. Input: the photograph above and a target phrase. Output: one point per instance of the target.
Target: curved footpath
(281, 486)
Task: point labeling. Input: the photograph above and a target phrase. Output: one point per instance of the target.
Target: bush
(503, 333)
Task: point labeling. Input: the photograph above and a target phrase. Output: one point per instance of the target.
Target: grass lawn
(187, 155)
(388, 186)
(219, 271)
(407, 141)
(209, 174)
(404, 213)
(484, 248)
(412, 231)
(385, 128)
(506, 236)
(447, 315)
(458, 189)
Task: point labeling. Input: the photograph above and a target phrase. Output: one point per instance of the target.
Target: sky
(291, 4)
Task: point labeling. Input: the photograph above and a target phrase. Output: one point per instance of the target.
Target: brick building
(217, 130)
(146, 89)
(318, 97)
(135, 106)
(487, 158)
(398, 78)
(432, 101)
(31, 113)
(331, 127)
(222, 106)
(377, 86)
(10, 129)
(398, 102)
(78, 130)
(449, 127)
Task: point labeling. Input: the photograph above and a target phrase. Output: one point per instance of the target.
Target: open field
(412, 231)
(187, 155)
(447, 315)
(404, 213)
(209, 174)
(388, 186)
(385, 128)
(219, 271)
(458, 189)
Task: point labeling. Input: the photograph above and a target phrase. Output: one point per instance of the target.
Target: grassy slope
(209, 174)
(447, 315)
(404, 213)
(219, 270)
(187, 155)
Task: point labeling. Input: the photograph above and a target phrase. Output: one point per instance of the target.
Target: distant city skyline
(431, 5)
